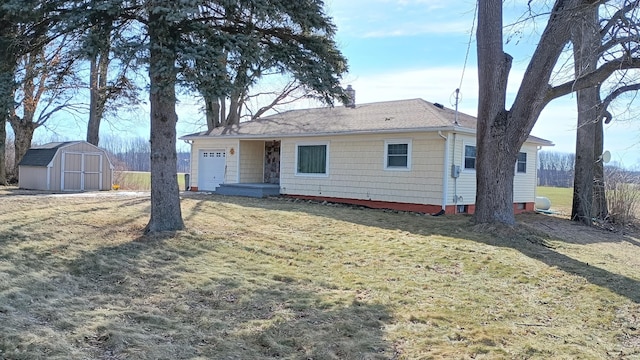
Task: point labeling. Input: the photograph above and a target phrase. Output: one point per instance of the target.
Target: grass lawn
(271, 278)
(139, 180)
(561, 198)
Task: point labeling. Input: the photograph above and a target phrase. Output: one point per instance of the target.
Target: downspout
(445, 179)
(535, 188)
(188, 185)
(455, 181)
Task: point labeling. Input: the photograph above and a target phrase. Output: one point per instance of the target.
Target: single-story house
(60, 166)
(407, 155)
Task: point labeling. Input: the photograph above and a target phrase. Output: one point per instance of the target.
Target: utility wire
(466, 57)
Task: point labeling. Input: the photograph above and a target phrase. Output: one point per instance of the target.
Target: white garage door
(211, 168)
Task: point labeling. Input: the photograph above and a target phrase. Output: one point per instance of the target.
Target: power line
(466, 57)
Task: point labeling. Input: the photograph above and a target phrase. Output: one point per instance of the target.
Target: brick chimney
(351, 95)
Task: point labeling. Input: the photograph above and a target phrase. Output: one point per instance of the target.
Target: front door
(272, 162)
(211, 169)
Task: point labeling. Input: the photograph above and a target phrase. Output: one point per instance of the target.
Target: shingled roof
(43, 154)
(380, 117)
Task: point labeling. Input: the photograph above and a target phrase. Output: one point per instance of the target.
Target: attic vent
(439, 106)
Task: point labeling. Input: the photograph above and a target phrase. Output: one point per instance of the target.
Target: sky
(404, 49)
(401, 49)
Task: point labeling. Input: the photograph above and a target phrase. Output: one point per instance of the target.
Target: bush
(623, 197)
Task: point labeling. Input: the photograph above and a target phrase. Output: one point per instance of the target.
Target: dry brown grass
(256, 279)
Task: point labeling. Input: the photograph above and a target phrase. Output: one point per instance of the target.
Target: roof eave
(329, 133)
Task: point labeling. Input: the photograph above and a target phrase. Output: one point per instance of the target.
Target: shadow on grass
(156, 298)
(460, 226)
(17, 233)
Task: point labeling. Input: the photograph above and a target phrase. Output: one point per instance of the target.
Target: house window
(521, 165)
(469, 157)
(312, 159)
(397, 154)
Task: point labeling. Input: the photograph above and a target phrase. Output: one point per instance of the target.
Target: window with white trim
(469, 157)
(397, 154)
(521, 165)
(312, 159)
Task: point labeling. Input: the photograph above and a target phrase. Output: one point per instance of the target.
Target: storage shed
(65, 166)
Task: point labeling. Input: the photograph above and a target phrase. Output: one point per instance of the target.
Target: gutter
(265, 136)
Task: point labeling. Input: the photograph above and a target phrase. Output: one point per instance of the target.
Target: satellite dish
(606, 157)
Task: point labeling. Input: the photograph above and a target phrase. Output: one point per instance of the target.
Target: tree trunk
(232, 116)
(583, 176)
(22, 142)
(3, 152)
(165, 197)
(600, 207)
(212, 112)
(501, 133)
(586, 41)
(495, 165)
(7, 90)
(93, 126)
(98, 84)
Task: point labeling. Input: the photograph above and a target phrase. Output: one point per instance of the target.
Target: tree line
(556, 169)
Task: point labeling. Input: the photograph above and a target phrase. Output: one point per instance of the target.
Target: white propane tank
(543, 203)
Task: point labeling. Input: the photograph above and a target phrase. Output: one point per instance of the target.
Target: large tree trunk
(495, 164)
(165, 197)
(501, 133)
(22, 142)
(3, 152)
(585, 141)
(586, 41)
(212, 111)
(7, 90)
(98, 98)
(233, 117)
(93, 126)
(600, 207)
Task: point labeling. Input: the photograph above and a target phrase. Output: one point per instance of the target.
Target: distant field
(139, 180)
(561, 198)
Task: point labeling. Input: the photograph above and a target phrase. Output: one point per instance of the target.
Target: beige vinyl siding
(464, 187)
(231, 175)
(356, 169)
(33, 177)
(524, 184)
(251, 161)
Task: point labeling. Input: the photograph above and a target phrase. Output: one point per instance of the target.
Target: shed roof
(380, 117)
(42, 155)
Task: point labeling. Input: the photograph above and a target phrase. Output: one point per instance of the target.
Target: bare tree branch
(594, 78)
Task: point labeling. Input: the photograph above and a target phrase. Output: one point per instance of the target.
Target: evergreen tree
(183, 39)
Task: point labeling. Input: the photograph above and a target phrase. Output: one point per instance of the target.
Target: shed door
(211, 169)
(81, 171)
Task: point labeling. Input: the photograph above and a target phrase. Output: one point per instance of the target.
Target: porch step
(249, 190)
